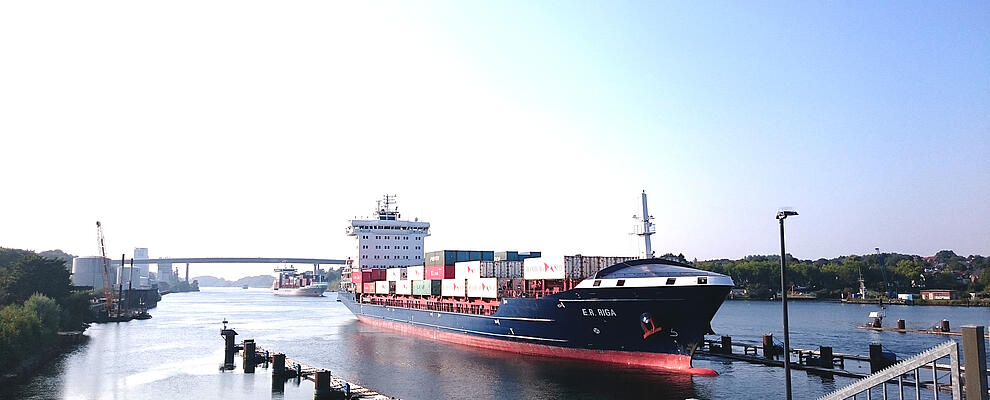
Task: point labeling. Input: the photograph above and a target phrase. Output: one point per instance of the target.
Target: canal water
(177, 354)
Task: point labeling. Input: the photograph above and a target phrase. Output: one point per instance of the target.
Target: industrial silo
(88, 271)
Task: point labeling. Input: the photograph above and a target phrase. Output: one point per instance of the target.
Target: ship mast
(648, 229)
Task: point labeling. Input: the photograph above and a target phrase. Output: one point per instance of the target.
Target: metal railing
(907, 373)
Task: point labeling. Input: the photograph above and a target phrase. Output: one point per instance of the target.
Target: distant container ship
(645, 312)
(290, 282)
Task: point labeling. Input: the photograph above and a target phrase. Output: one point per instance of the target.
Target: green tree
(19, 327)
(33, 274)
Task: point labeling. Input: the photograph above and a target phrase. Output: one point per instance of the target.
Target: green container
(426, 288)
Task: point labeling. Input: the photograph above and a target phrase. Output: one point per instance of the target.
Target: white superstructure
(385, 241)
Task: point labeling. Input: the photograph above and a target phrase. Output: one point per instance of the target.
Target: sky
(258, 129)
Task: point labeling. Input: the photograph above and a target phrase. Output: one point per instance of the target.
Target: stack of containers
(581, 267)
(356, 279)
(362, 279)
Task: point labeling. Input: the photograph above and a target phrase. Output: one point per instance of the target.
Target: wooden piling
(825, 357)
(727, 344)
(229, 347)
(768, 346)
(975, 358)
(900, 324)
(248, 356)
(322, 385)
(278, 364)
(877, 362)
(944, 327)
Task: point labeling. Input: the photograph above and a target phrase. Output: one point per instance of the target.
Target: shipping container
(369, 287)
(373, 274)
(467, 270)
(538, 268)
(427, 287)
(415, 273)
(403, 287)
(482, 287)
(381, 287)
(501, 269)
(506, 256)
(582, 267)
(439, 272)
(451, 257)
(453, 287)
(395, 274)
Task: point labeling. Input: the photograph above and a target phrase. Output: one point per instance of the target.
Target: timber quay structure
(884, 367)
(326, 386)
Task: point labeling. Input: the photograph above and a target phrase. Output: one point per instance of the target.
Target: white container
(381, 287)
(403, 287)
(467, 270)
(395, 274)
(452, 287)
(538, 268)
(482, 287)
(415, 273)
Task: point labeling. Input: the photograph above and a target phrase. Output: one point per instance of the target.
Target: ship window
(597, 283)
(702, 280)
(670, 281)
(621, 282)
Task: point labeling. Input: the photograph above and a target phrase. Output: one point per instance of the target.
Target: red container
(374, 274)
(369, 287)
(439, 272)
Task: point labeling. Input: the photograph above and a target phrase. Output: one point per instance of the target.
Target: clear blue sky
(871, 119)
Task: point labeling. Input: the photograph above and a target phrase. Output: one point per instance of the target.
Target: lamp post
(781, 216)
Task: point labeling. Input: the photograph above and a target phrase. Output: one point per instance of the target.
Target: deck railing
(908, 373)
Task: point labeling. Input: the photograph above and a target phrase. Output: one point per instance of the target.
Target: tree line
(36, 302)
(833, 278)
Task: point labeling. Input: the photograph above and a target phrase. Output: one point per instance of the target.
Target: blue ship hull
(656, 327)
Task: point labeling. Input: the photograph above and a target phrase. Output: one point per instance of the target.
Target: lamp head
(782, 214)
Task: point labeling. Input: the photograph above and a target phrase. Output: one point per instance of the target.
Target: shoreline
(27, 369)
(950, 303)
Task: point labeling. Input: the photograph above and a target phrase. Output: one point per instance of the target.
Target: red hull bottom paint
(665, 362)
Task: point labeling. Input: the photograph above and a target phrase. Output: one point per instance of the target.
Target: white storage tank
(88, 271)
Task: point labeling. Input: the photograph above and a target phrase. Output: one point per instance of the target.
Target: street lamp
(781, 216)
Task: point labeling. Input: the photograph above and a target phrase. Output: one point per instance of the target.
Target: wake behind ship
(640, 312)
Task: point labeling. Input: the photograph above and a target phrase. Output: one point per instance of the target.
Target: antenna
(648, 228)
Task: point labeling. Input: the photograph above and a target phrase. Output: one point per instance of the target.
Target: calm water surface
(177, 354)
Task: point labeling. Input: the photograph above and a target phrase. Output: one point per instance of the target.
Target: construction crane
(107, 289)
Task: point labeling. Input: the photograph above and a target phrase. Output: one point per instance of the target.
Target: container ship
(290, 282)
(637, 311)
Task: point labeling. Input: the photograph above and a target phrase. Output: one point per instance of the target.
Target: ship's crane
(107, 289)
